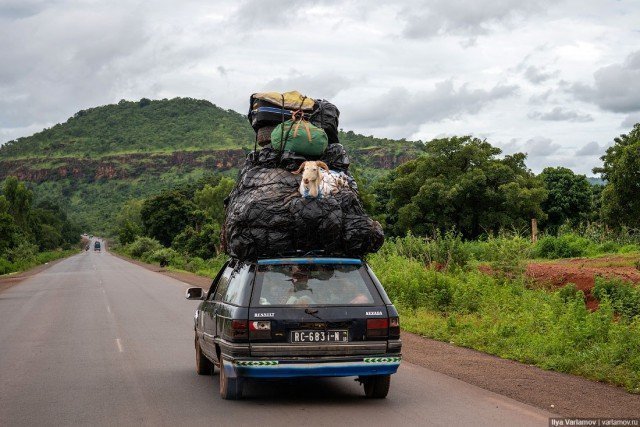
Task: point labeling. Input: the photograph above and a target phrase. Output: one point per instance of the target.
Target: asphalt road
(95, 340)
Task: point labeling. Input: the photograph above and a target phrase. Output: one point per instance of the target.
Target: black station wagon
(296, 317)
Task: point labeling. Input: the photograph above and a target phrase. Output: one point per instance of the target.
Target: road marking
(108, 309)
(119, 345)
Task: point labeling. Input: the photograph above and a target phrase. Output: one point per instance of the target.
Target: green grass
(7, 267)
(501, 316)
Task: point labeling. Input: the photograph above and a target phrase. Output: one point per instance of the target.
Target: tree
(621, 170)
(129, 221)
(8, 228)
(460, 183)
(211, 199)
(20, 199)
(204, 243)
(166, 215)
(569, 198)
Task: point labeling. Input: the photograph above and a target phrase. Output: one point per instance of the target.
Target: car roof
(310, 260)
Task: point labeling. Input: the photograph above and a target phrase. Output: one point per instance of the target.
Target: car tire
(377, 386)
(230, 388)
(203, 365)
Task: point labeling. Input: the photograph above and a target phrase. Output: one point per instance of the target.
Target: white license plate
(319, 336)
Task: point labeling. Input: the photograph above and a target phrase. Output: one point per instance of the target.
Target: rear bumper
(384, 364)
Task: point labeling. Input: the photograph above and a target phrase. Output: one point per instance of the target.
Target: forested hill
(105, 155)
(166, 126)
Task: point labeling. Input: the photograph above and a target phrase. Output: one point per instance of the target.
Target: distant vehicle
(96, 246)
(296, 317)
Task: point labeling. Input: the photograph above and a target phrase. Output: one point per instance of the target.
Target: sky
(558, 80)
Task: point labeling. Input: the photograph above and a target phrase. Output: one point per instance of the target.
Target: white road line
(119, 345)
(108, 309)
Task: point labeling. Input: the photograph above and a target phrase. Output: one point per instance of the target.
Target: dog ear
(323, 165)
(300, 169)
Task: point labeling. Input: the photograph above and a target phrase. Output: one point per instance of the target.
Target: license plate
(319, 336)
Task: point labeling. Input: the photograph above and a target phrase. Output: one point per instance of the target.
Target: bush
(629, 248)
(507, 255)
(167, 255)
(624, 296)
(142, 246)
(24, 253)
(570, 292)
(565, 246)
(444, 251)
(6, 266)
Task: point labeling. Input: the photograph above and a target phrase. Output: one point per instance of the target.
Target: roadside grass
(33, 260)
(152, 252)
(501, 316)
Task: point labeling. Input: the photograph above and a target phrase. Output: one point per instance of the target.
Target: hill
(105, 155)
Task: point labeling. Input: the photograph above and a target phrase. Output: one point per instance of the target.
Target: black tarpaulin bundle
(267, 217)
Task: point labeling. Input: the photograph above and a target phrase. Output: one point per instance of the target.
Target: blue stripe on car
(345, 369)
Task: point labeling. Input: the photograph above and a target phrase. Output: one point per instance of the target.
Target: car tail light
(260, 329)
(394, 327)
(377, 328)
(239, 329)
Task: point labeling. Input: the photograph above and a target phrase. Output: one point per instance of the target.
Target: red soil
(582, 272)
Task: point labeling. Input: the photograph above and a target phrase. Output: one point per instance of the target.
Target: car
(296, 317)
(96, 246)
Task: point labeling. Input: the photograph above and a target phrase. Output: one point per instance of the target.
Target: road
(95, 340)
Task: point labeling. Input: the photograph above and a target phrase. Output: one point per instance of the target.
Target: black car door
(206, 320)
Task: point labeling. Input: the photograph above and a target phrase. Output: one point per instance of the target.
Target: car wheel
(377, 386)
(203, 365)
(230, 388)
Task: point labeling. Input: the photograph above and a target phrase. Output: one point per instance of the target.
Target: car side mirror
(195, 293)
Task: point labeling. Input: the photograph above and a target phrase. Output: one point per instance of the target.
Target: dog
(318, 181)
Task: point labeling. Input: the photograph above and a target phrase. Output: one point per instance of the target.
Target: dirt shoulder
(582, 272)
(9, 280)
(563, 394)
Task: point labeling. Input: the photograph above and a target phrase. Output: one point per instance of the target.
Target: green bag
(300, 137)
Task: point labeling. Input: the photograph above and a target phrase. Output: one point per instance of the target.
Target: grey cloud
(20, 9)
(560, 115)
(319, 86)
(590, 149)
(537, 75)
(257, 15)
(616, 87)
(630, 120)
(401, 107)
(428, 18)
(71, 61)
(540, 147)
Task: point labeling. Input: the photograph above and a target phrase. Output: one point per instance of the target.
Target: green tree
(211, 199)
(460, 183)
(621, 170)
(20, 199)
(166, 215)
(569, 198)
(129, 221)
(8, 228)
(204, 243)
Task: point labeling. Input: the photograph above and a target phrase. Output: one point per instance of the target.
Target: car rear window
(313, 284)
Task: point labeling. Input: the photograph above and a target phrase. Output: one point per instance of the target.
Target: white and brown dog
(318, 180)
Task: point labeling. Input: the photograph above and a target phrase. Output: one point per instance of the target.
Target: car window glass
(223, 284)
(313, 285)
(236, 286)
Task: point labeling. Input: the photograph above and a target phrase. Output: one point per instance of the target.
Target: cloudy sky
(556, 79)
